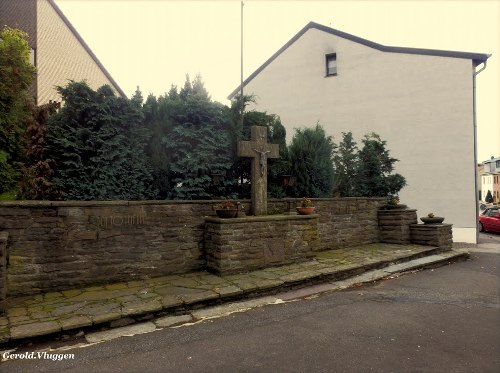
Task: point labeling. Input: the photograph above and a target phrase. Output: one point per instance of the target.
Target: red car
(490, 220)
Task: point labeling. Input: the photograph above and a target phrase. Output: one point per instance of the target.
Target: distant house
(421, 101)
(490, 180)
(480, 173)
(57, 50)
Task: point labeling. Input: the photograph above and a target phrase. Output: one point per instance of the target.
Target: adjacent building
(57, 50)
(421, 101)
(490, 179)
(480, 173)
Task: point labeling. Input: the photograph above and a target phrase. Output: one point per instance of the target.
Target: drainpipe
(475, 143)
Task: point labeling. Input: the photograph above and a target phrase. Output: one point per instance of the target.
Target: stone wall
(63, 245)
(236, 245)
(394, 225)
(348, 222)
(3, 270)
(439, 235)
(343, 222)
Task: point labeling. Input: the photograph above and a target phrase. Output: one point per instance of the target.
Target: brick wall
(63, 245)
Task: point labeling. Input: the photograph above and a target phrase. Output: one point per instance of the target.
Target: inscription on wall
(111, 221)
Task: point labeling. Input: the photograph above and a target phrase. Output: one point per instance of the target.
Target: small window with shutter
(331, 64)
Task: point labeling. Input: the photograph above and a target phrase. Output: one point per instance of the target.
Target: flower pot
(226, 213)
(395, 207)
(434, 220)
(305, 210)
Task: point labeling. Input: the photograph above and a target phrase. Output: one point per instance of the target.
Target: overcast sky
(154, 44)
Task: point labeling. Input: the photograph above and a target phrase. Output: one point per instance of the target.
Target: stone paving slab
(414, 264)
(167, 321)
(216, 311)
(55, 312)
(34, 329)
(422, 262)
(75, 322)
(120, 332)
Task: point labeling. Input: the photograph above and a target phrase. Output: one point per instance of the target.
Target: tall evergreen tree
(38, 169)
(16, 74)
(97, 141)
(489, 197)
(345, 160)
(311, 153)
(198, 145)
(159, 124)
(375, 167)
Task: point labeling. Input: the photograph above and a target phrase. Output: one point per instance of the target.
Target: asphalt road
(441, 320)
(489, 237)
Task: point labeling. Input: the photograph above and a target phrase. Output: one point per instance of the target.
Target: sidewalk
(120, 304)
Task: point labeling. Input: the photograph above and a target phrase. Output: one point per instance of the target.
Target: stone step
(139, 301)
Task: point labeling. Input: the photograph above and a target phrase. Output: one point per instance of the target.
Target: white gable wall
(421, 105)
(487, 185)
(61, 57)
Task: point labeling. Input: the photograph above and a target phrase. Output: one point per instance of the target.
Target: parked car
(483, 206)
(490, 220)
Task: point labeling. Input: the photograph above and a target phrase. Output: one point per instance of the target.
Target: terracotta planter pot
(434, 220)
(305, 210)
(226, 214)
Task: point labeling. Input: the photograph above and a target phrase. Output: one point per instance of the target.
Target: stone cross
(259, 150)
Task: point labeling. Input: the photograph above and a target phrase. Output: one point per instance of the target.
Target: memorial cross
(259, 150)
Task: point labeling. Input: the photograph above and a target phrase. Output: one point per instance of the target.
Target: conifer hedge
(97, 142)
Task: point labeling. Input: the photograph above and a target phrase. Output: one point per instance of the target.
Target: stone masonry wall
(63, 245)
(3, 270)
(235, 245)
(439, 235)
(348, 222)
(394, 225)
(343, 222)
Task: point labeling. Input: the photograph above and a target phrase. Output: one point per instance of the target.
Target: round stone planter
(305, 210)
(226, 214)
(434, 220)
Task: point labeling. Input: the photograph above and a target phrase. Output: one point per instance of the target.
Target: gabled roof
(477, 58)
(87, 48)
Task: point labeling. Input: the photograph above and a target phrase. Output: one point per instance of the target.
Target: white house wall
(61, 57)
(487, 185)
(421, 105)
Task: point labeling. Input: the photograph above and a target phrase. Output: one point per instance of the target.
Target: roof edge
(271, 59)
(86, 47)
(477, 58)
